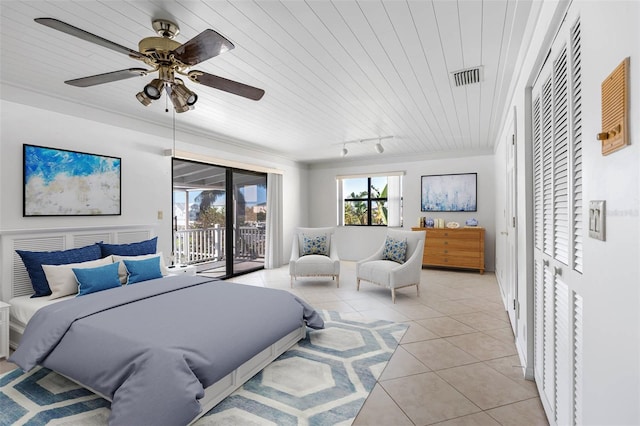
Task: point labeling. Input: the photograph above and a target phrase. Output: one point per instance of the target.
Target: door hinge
(514, 304)
(513, 221)
(513, 139)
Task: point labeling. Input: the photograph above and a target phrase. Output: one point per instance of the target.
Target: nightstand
(4, 330)
(183, 269)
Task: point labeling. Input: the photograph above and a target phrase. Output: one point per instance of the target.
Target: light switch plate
(597, 219)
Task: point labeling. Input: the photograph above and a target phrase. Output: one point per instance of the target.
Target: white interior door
(556, 117)
(511, 232)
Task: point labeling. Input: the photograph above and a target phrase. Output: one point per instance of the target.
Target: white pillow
(122, 269)
(62, 280)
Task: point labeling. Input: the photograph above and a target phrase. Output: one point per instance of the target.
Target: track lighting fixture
(378, 146)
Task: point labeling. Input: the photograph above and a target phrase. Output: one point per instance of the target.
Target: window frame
(394, 200)
(369, 200)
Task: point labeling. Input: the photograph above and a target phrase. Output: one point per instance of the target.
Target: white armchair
(314, 253)
(378, 269)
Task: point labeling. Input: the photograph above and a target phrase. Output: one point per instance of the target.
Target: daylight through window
(370, 200)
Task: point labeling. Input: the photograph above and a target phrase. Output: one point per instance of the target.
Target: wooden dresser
(454, 248)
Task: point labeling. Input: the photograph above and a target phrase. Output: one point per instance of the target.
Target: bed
(167, 350)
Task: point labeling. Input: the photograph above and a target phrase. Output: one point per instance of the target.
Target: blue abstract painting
(58, 182)
(449, 193)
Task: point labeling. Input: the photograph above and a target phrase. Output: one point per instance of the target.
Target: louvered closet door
(556, 114)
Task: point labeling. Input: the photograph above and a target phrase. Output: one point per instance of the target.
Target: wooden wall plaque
(615, 109)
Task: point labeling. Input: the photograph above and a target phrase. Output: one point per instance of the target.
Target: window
(373, 200)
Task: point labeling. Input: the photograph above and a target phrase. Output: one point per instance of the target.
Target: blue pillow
(91, 280)
(143, 270)
(395, 250)
(33, 261)
(132, 249)
(315, 245)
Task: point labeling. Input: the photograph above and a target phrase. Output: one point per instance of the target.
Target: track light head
(379, 148)
(344, 151)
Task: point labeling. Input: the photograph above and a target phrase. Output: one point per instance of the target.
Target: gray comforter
(154, 346)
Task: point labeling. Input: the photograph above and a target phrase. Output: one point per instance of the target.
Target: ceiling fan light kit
(167, 57)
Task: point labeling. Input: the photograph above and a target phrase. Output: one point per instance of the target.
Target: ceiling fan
(167, 57)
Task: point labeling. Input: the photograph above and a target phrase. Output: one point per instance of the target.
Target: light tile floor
(457, 363)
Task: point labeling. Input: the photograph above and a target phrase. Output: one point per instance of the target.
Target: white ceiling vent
(467, 76)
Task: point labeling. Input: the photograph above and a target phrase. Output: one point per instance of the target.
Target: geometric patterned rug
(323, 380)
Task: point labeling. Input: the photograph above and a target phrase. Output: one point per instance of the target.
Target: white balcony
(207, 245)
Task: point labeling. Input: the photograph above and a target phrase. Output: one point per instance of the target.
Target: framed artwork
(449, 193)
(58, 182)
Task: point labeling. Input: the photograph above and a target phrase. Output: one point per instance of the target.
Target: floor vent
(467, 76)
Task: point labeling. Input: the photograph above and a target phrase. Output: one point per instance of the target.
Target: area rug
(323, 380)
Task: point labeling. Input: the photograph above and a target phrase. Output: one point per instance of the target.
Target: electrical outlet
(159, 214)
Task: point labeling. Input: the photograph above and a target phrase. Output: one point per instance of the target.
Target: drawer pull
(446, 251)
(446, 243)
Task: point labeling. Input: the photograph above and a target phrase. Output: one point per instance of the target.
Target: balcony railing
(193, 246)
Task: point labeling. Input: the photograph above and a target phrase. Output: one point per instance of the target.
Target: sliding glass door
(249, 221)
(219, 218)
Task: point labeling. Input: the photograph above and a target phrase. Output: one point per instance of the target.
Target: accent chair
(396, 264)
(314, 253)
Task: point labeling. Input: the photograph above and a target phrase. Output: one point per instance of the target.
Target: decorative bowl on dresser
(454, 248)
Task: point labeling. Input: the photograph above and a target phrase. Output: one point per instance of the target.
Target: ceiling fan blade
(107, 77)
(230, 86)
(84, 35)
(204, 46)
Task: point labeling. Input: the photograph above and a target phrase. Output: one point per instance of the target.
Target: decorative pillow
(143, 270)
(62, 280)
(132, 249)
(91, 280)
(33, 261)
(315, 245)
(122, 272)
(395, 250)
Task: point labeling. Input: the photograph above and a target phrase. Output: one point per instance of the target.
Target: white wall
(357, 242)
(610, 281)
(146, 171)
(612, 290)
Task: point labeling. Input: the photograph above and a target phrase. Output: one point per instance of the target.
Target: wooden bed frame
(15, 282)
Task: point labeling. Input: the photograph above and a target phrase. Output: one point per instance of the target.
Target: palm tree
(380, 211)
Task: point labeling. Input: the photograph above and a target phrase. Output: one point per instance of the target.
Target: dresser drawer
(453, 243)
(444, 251)
(456, 261)
(454, 234)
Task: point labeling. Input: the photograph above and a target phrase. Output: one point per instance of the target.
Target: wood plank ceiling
(333, 71)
